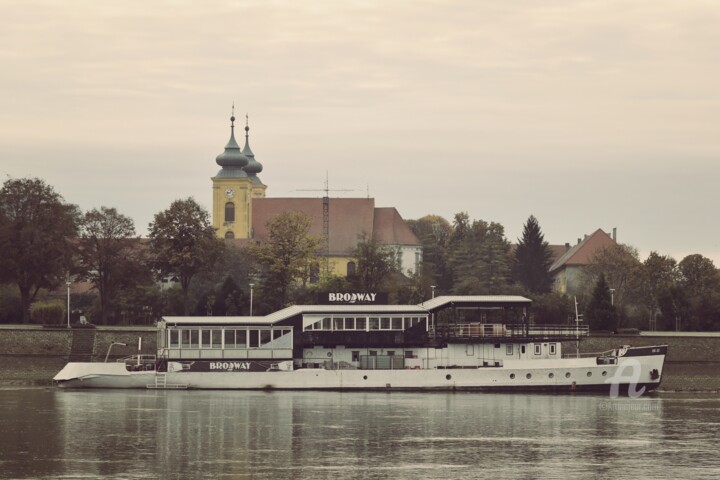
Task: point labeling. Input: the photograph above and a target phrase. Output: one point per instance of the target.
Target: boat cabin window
(363, 323)
(552, 349)
(522, 349)
(241, 338)
(538, 349)
(509, 349)
(174, 338)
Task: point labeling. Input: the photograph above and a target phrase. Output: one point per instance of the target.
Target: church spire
(253, 167)
(232, 156)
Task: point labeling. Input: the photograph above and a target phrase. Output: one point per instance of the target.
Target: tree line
(182, 268)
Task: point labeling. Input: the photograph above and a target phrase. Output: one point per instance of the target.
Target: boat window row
(364, 323)
(226, 338)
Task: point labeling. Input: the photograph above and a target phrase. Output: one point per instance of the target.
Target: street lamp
(251, 297)
(433, 290)
(68, 302)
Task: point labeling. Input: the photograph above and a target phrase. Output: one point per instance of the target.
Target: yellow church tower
(235, 186)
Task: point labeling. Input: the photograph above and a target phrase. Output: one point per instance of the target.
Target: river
(49, 433)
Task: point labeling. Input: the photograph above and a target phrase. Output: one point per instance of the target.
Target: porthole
(567, 375)
(448, 377)
(604, 374)
(512, 376)
(589, 374)
(528, 376)
(364, 377)
(551, 375)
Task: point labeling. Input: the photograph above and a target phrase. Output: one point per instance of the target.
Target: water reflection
(51, 433)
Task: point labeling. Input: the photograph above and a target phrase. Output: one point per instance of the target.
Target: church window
(351, 269)
(229, 212)
(229, 234)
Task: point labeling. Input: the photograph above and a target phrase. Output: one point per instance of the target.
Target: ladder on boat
(161, 383)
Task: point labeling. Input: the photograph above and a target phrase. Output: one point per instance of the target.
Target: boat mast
(578, 319)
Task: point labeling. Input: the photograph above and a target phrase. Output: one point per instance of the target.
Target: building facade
(241, 210)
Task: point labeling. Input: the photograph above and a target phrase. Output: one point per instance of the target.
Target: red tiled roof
(390, 229)
(581, 253)
(349, 219)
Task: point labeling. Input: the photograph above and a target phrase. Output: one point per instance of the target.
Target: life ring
(308, 353)
(329, 354)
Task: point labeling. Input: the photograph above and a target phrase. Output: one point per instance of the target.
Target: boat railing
(135, 363)
(503, 331)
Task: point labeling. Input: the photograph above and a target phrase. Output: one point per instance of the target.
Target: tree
(622, 269)
(531, 266)
(600, 313)
(236, 262)
(182, 242)
(700, 283)
(229, 299)
(108, 254)
(433, 232)
(37, 232)
(288, 256)
(375, 262)
(478, 256)
(659, 275)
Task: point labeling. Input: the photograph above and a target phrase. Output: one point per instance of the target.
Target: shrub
(48, 313)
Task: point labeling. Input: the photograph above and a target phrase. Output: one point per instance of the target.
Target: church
(241, 210)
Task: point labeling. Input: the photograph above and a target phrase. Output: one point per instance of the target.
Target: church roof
(581, 253)
(389, 228)
(349, 219)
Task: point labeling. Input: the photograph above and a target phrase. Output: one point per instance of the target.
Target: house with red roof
(567, 269)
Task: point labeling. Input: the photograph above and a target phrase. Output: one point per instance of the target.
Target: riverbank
(32, 355)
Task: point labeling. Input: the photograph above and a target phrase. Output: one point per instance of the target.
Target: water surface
(48, 433)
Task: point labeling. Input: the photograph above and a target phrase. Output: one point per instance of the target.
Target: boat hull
(636, 374)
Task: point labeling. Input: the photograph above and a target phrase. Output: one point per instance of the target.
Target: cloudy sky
(586, 113)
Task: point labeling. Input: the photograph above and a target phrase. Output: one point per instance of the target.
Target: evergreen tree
(600, 312)
(531, 266)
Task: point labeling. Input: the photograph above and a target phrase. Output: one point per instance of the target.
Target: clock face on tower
(229, 193)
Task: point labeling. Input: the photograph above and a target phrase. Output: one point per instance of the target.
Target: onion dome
(253, 167)
(232, 156)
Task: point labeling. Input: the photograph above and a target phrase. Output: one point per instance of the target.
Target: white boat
(431, 346)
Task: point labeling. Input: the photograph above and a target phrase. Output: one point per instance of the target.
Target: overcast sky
(587, 114)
